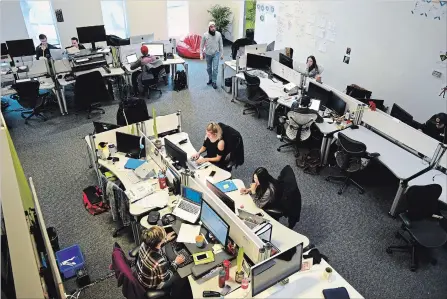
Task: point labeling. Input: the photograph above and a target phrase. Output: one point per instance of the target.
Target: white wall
(393, 51)
(12, 23)
(146, 17)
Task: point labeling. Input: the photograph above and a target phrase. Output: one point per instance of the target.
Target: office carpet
(352, 230)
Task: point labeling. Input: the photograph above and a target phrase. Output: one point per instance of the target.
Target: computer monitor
(192, 194)
(129, 144)
(276, 268)
(401, 114)
(317, 92)
(103, 127)
(258, 62)
(287, 61)
(222, 196)
(91, 34)
(155, 49)
(176, 153)
(336, 104)
(4, 50)
(131, 58)
(21, 47)
(214, 223)
(144, 38)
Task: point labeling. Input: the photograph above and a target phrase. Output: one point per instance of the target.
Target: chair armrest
(275, 213)
(134, 252)
(372, 155)
(406, 221)
(154, 294)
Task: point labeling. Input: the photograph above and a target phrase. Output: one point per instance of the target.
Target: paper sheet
(331, 35)
(321, 22)
(155, 200)
(188, 233)
(319, 33)
(322, 47)
(309, 29)
(311, 19)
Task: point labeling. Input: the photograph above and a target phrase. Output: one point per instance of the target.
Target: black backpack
(180, 80)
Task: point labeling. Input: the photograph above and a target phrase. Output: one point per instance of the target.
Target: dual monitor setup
(327, 98)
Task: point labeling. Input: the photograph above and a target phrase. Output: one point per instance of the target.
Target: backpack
(92, 199)
(180, 80)
(310, 162)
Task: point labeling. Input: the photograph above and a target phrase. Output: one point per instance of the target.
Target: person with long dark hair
(264, 189)
(312, 67)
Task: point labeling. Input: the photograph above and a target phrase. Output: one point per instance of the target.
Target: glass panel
(178, 18)
(114, 16)
(39, 19)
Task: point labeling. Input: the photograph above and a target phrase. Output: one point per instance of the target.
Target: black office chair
(241, 42)
(350, 157)
(90, 90)
(296, 129)
(419, 229)
(152, 84)
(290, 202)
(255, 95)
(234, 147)
(131, 288)
(28, 97)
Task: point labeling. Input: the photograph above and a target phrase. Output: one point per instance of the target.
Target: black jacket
(242, 42)
(40, 53)
(234, 145)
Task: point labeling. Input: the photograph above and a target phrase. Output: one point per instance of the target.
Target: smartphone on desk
(212, 173)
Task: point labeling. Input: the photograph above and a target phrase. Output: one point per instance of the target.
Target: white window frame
(126, 23)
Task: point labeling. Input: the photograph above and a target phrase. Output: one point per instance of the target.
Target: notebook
(133, 163)
(336, 293)
(226, 186)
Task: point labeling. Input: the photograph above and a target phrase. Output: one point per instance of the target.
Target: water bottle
(162, 180)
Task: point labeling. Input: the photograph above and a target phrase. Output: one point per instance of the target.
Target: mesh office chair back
(253, 83)
(298, 122)
(349, 157)
(28, 93)
(423, 201)
(89, 89)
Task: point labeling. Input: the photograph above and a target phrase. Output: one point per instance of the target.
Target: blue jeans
(212, 65)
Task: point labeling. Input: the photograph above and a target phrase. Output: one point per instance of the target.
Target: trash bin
(228, 84)
(54, 239)
(69, 260)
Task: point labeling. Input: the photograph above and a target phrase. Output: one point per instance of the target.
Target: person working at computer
(213, 44)
(312, 67)
(153, 269)
(264, 189)
(44, 48)
(303, 108)
(435, 127)
(213, 145)
(75, 43)
(138, 78)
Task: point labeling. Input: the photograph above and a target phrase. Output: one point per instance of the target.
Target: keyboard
(188, 257)
(132, 177)
(193, 164)
(189, 207)
(171, 253)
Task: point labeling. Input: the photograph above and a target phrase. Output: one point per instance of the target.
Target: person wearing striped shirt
(153, 269)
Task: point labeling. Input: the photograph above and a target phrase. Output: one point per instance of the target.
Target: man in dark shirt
(75, 43)
(44, 48)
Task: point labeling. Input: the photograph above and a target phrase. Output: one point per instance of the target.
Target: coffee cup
(199, 241)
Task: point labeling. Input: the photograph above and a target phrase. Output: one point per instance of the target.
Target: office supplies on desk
(336, 293)
(205, 257)
(145, 171)
(155, 200)
(188, 208)
(139, 191)
(133, 163)
(188, 233)
(226, 186)
(130, 145)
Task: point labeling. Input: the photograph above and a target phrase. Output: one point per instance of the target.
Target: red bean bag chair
(189, 47)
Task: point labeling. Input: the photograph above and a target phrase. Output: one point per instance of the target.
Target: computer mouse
(59, 76)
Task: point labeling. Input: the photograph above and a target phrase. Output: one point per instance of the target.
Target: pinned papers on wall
(322, 47)
(330, 36)
(435, 10)
(309, 29)
(330, 26)
(319, 32)
(321, 22)
(311, 19)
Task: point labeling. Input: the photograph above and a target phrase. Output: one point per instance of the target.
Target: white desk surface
(231, 64)
(399, 161)
(326, 127)
(272, 89)
(113, 72)
(432, 177)
(176, 60)
(202, 174)
(45, 83)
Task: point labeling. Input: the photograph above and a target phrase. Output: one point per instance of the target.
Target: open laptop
(188, 208)
(315, 104)
(131, 58)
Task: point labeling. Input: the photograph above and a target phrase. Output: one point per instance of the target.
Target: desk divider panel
(286, 72)
(165, 123)
(61, 66)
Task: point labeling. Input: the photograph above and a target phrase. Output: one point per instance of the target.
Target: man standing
(213, 44)
(44, 48)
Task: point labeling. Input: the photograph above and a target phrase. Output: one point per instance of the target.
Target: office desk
(45, 83)
(202, 174)
(274, 90)
(63, 83)
(232, 65)
(173, 62)
(399, 161)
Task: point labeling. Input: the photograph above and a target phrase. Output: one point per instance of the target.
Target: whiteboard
(266, 22)
(394, 51)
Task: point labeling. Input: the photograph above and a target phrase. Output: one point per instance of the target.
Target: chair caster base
(389, 251)
(339, 192)
(413, 268)
(278, 149)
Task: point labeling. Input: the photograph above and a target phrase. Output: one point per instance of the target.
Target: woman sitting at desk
(312, 67)
(265, 189)
(153, 269)
(213, 145)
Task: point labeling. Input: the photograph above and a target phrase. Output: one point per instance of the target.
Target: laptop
(188, 208)
(194, 165)
(251, 220)
(131, 58)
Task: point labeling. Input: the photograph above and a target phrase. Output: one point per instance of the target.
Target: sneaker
(209, 82)
(214, 85)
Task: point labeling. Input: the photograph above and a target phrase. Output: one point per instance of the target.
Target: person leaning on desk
(44, 48)
(213, 145)
(265, 189)
(153, 269)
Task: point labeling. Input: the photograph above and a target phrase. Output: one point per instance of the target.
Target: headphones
(168, 219)
(141, 146)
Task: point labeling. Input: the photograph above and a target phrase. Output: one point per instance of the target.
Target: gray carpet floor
(352, 230)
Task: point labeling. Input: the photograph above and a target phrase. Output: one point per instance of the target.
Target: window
(39, 18)
(114, 16)
(178, 18)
